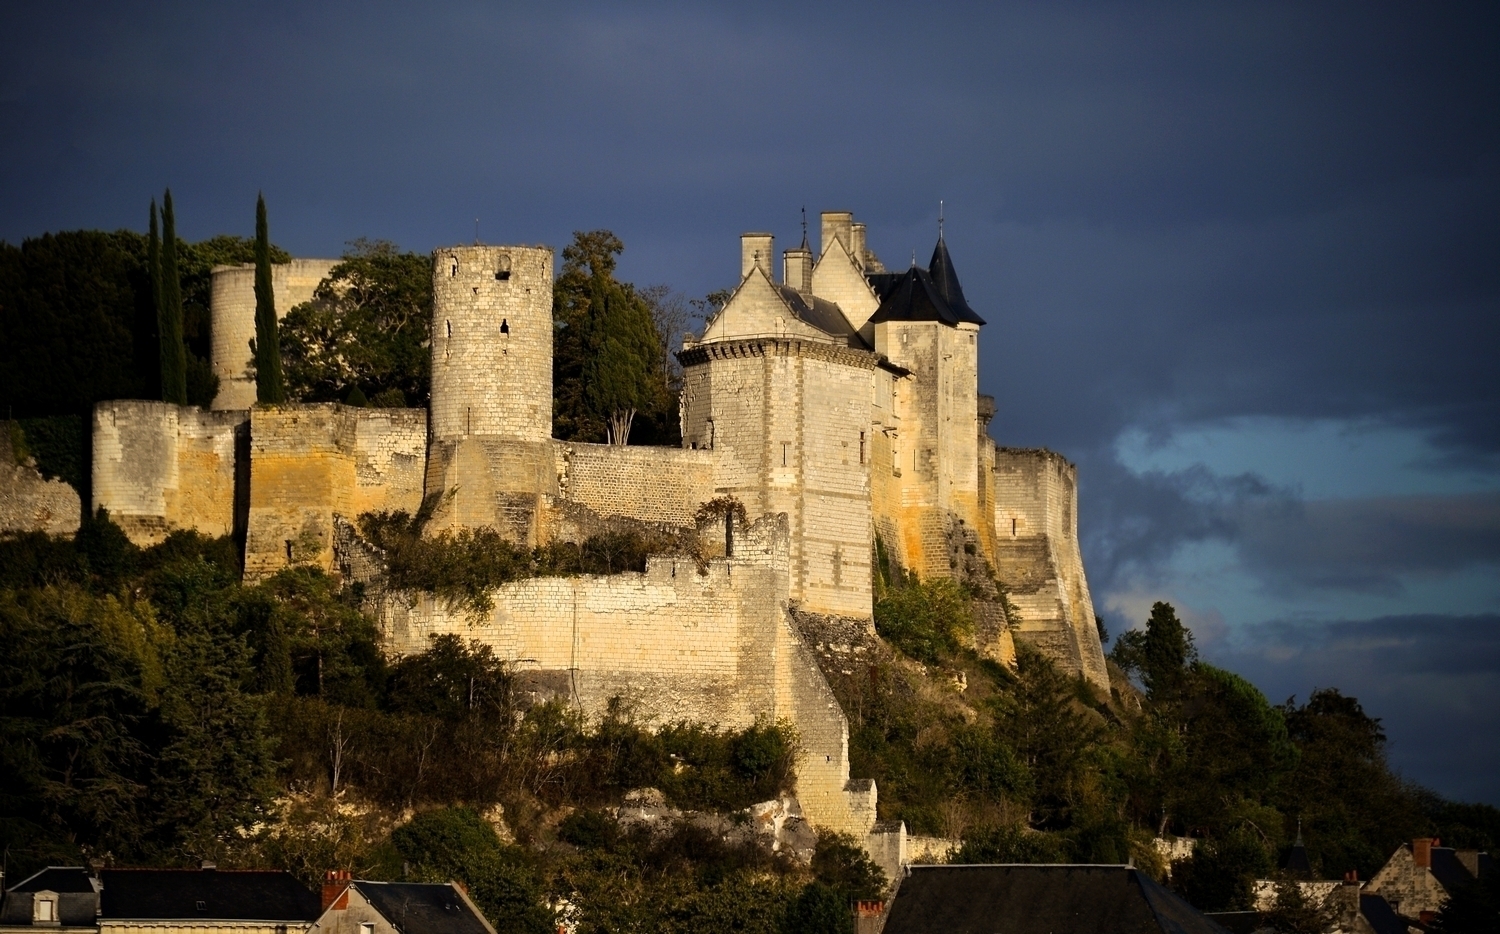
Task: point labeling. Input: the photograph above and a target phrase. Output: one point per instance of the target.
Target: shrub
(928, 621)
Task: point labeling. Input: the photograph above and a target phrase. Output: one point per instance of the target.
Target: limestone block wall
(310, 462)
(650, 484)
(492, 343)
(501, 483)
(789, 423)
(30, 502)
(159, 467)
(232, 312)
(1038, 558)
(674, 644)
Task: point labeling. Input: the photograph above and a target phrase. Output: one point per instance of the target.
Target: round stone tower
(492, 343)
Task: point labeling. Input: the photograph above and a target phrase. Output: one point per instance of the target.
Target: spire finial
(1299, 832)
(940, 218)
(804, 225)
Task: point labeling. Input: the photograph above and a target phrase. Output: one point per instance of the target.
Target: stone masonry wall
(232, 310)
(674, 644)
(30, 502)
(492, 343)
(650, 484)
(159, 467)
(1038, 559)
(310, 462)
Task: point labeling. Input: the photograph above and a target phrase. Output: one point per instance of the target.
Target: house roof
(77, 897)
(1377, 911)
(421, 908)
(1039, 899)
(914, 296)
(57, 879)
(1297, 861)
(223, 894)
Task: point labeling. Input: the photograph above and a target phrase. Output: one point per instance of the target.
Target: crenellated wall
(159, 467)
(1038, 559)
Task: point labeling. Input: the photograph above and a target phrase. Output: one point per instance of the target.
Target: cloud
(1432, 679)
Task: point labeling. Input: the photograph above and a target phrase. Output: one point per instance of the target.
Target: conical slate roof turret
(945, 280)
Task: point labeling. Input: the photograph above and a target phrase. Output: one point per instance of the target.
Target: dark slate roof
(1238, 922)
(1377, 911)
(78, 900)
(821, 314)
(416, 908)
(1447, 869)
(225, 894)
(57, 879)
(1297, 861)
(915, 297)
(1039, 899)
(946, 280)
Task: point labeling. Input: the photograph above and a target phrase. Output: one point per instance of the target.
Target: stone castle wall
(1037, 557)
(310, 462)
(675, 645)
(29, 502)
(232, 310)
(648, 484)
(159, 467)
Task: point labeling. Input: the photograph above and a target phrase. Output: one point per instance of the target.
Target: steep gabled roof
(208, 894)
(821, 314)
(57, 879)
(1038, 899)
(913, 297)
(421, 908)
(946, 281)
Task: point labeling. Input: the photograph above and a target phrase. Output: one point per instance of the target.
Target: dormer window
(366, 927)
(45, 911)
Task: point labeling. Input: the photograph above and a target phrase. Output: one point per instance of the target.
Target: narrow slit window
(784, 446)
(449, 326)
(861, 447)
(452, 266)
(504, 327)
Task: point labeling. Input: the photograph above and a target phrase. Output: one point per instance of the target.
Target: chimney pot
(335, 881)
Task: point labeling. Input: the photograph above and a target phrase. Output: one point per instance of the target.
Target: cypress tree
(153, 267)
(269, 386)
(169, 312)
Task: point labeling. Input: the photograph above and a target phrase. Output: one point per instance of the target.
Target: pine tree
(153, 268)
(269, 386)
(169, 312)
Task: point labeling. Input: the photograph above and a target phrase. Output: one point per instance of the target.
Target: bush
(928, 621)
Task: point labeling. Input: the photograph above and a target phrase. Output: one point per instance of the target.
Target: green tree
(169, 312)
(607, 352)
(270, 388)
(1472, 908)
(456, 843)
(819, 910)
(366, 332)
(928, 620)
(1221, 873)
(158, 297)
(1160, 654)
(1038, 717)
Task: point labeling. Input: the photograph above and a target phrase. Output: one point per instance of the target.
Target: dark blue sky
(1241, 262)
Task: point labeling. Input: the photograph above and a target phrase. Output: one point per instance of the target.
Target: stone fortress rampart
(838, 402)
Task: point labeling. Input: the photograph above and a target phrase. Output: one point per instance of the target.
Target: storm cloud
(1211, 221)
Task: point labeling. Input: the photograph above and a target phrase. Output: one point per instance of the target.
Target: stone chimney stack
(1421, 852)
(799, 266)
(837, 226)
(857, 243)
(758, 249)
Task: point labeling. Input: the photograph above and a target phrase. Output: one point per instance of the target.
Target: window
(861, 447)
(502, 267)
(202, 905)
(504, 327)
(46, 909)
(452, 266)
(449, 326)
(784, 446)
(366, 927)
(1012, 528)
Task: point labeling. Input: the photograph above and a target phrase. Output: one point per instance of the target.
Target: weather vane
(940, 219)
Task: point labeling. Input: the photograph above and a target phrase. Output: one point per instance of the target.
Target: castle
(837, 401)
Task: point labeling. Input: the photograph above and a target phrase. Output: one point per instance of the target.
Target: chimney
(1421, 852)
(1470, 859)
(758, 249)
(868, 916)
(335, 881)
(798, 270)
(836, 226)
(857, 243)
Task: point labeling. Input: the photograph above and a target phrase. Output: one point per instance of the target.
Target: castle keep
(835, 399)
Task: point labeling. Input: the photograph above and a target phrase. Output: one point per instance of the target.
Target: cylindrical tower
(232, 310)
(492, 343)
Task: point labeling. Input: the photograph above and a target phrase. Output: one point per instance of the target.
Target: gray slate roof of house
(77, 898)
(1377, 911)
(821, 314)
(420, 908)
(1039, 899)
(223, 894)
